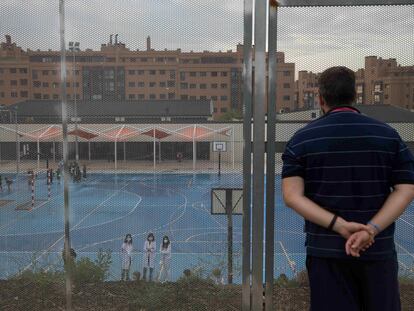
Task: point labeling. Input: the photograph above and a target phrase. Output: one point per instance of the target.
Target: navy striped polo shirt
(349, 163)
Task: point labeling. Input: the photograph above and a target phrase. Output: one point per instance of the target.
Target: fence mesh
(155, 133)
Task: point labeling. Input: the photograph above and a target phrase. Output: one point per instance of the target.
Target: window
(214, 73)
(24, 94)
(163, 96)
(37, 96)
(34, 74)
(160, 59)
(76, 84)
(359, 89)
(377, 88)
(152, 84)
(286, 85)
(182, 75)
(131, 84)
(203, 97)
(131, 96)
(171, 83)
(213, 97)
(1, 82)
(119, 119)
(13, 70)
(163, 84)
(286, 97)
(171, 95)
(184, 97)
(203, 74)
(133, 59)
(1, 94)
(23, 70)
(1, 70)
(224, 73)
(223, 85)
(286, 73)
(55, 96)
(67, 84)
(203, 86)
(13, 94)
(131, 72)
(141, 96)
(140, 72)
(215, 110)
(172, 74)
(171, 59)
(55, 85)
(141, 84)
(162, 72)
(45, 84)
(193, 97)
(23, 82)
(152, 72)
(45, 72)
(184, 85)
(193, 86)
(223, 97)
(37, 83)
(214, 85)
(46, 96)
(54, 72)
(193, 74)
(13, 82)
(144, 59)
(223, 109)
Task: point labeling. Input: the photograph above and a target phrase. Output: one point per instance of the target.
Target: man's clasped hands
(359, 237)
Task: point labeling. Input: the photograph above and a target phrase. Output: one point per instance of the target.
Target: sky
(312, 38)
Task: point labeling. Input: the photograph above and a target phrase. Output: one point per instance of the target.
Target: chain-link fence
(155, 145)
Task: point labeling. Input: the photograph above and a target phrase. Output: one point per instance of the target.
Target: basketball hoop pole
(219, 163)
(229, 213)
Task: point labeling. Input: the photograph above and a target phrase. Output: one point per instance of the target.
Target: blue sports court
(104, 207)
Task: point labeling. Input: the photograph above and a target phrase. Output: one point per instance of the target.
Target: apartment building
(117, 73)
(380, 82)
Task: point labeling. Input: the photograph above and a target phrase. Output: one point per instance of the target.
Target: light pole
(74, 48)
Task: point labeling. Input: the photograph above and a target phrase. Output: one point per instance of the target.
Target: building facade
(380, 82)
(117, 73)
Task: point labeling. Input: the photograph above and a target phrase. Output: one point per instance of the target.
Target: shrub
(88, 271)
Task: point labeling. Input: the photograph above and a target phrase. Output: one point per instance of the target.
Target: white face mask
(129, 239)
(165, 241)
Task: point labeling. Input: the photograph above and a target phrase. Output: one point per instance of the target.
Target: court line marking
(145, 232)
(404, 249)
(48, 201)
(408, 223)
(82, 228)
(74, 227)
(205, 233)
(291, 263)
(28, 212)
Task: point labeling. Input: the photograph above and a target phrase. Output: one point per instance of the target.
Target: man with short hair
(350, 177)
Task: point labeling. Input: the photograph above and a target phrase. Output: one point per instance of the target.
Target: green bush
(88, 271)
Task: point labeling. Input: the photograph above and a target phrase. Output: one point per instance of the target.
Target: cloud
(314, 38)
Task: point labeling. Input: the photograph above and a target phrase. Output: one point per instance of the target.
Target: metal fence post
(258, 153)
(247, 150)
(67, 247)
